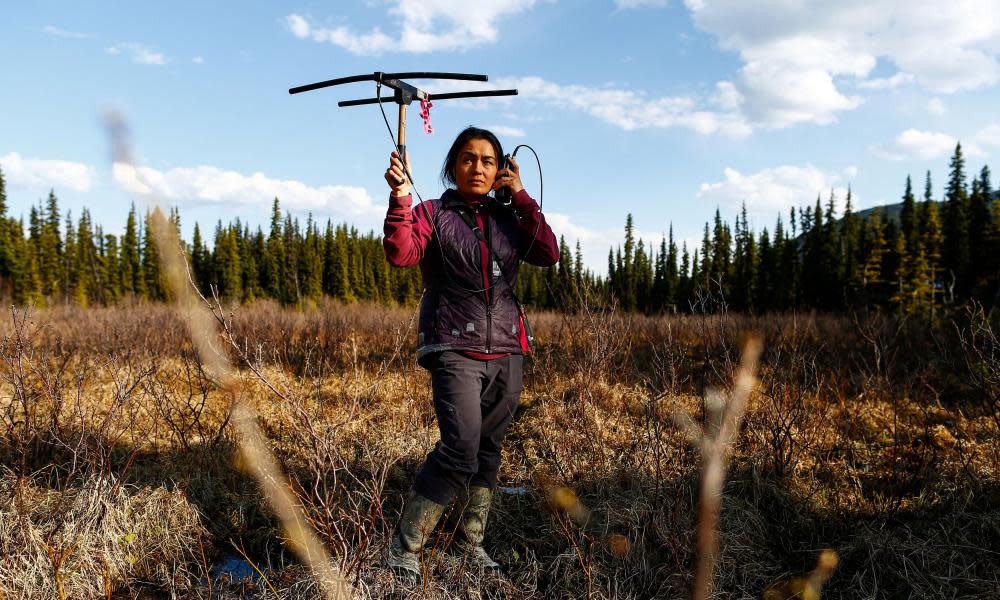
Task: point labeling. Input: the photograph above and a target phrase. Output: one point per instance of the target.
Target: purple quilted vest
(454, 313)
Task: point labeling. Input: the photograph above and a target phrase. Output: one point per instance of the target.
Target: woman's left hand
(509, 178)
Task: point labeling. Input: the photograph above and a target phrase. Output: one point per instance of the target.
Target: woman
(470, 334)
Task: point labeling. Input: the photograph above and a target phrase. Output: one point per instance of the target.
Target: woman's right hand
(395, 176)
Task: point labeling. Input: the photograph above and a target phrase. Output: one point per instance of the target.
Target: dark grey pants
(475, 401)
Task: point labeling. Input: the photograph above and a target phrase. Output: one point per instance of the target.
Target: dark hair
(469, 133)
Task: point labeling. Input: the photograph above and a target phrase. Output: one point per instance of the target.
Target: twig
(715, 442)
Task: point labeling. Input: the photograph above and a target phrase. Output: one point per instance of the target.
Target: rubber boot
(420, 516)
(475, 506)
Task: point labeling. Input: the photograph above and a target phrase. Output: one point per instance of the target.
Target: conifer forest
(933, 249)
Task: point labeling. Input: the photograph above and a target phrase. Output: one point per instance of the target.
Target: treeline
(58, 260)
(933, 253)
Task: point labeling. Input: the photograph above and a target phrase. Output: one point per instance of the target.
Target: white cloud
(772, 190)
(798, 54)
(372, 43)
(727, 96)
(628, 109)
(298, 26)
(504, 130)
(424, 27)
(990, 136)
(936, 107)
(52, 30)
(851, 172)
(914, 144)
(139, 53)
(208, 184)
(887, 83)
(41, 174)
(776, 96)
(198, 60)
(626, 4)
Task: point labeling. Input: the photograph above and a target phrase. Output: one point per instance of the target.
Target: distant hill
(891, 211)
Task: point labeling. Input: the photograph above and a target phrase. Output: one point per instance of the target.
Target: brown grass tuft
(96, 538)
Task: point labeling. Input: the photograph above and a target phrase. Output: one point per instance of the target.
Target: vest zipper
(489, 328)
(488, 280)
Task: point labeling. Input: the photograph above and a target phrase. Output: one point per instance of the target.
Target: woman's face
(475, 168)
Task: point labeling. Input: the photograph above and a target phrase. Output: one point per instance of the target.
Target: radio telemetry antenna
(404, 93)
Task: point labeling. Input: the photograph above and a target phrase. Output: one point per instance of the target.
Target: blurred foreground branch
(715, 441)
(202, 321)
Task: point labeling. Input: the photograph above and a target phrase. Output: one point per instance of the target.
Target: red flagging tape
(425, 114)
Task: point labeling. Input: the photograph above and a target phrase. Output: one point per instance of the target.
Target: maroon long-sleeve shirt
(407, 232)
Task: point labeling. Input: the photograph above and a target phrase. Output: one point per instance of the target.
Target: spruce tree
(153, 281)
(643, 269)
(133, 278)
(6, 243)
(110, 271)
(922, 215)
(226, 262)
(564, 275)
(703, 280)
(922, 287)
(274, 277)
(356, 270)
(578, 271)
(659, 292)
(764, 285)
(979, 226)
(83, 267)
(908, 216)
(832, 285)
(672, 277)
(628, 279)
(51, 267)
(744, 280)
(291, 241)
(329, 258)
(684, 282)
(874, 252)
(344, 277)
(612, 271)
(528, 285)
(200, 267)
(789, 285)
(697, 279)
(721, 255)
(811, 224)
(908, 280)
(311, 267)
(955, 252)
(27, 283)
(891, 260)
(69, 266)
(850, 250)
(248, 254)
(991, 268)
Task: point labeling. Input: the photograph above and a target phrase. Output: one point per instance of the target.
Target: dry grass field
(876, 438)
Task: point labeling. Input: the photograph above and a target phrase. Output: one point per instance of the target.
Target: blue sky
(665, 109)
